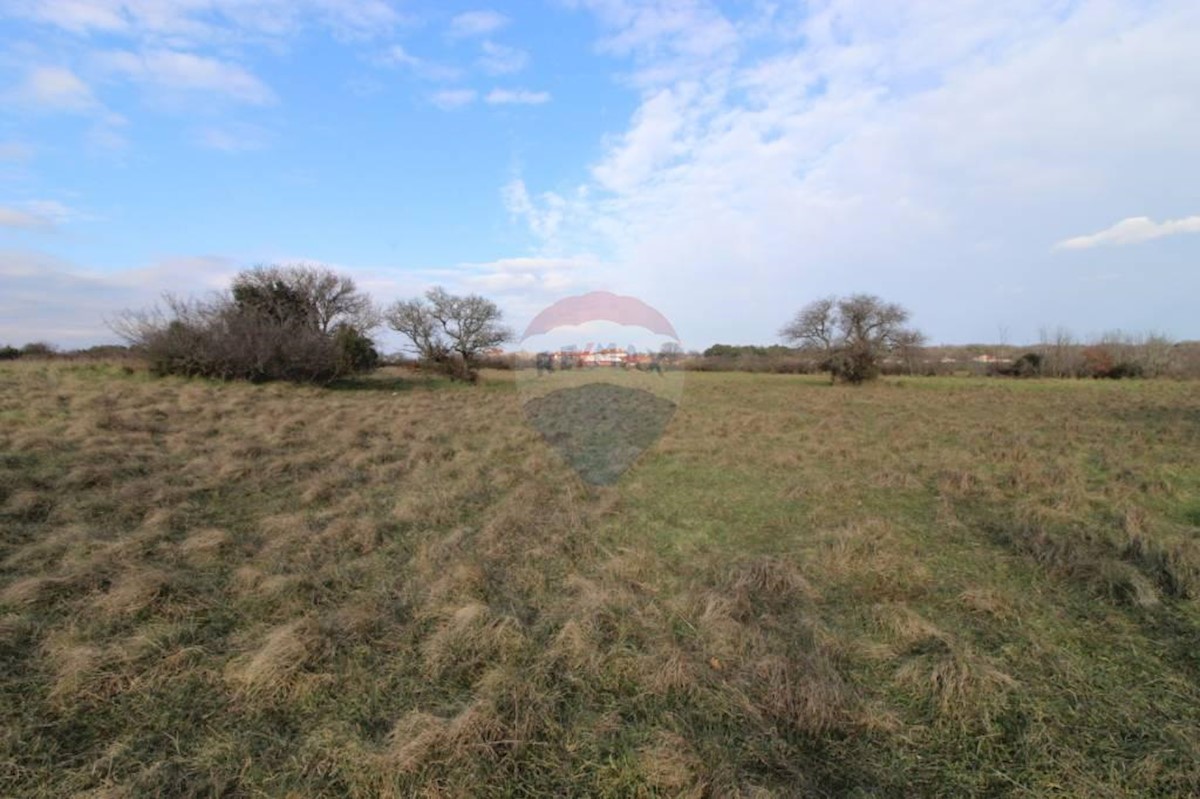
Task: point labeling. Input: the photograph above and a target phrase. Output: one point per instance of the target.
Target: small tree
(852, 335)
(449, 332)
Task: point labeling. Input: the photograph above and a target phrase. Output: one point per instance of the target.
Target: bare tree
(449, 331)
(306, 295)
(908, 347)
(852, 334)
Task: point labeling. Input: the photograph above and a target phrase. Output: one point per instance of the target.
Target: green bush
(356, 352)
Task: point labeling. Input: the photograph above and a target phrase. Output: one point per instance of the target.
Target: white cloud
(543, 217)
(921, 150)
(232, 138)
(195, 22)
(499, 59)
(179, 71)
(1133, 230)
(396, 55)
(452, 99)
(17, 218)
(667, 41)
(516, 97)
(48, 298)
(56, 89)
(476, 23)
(35, 215)
(524, 275)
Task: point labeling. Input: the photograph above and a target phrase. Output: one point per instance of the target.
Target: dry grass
(948, 587)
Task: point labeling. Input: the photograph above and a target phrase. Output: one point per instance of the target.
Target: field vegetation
(393, 586)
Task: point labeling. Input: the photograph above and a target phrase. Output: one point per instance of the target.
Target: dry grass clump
(205, 546)
(277, 667)
(82, 672)
(469, 638)
(671, 766)
(868, 555)
(960, 685)
(806, 694)
(133, 592)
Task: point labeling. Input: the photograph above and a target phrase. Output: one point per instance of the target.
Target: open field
(395, 588)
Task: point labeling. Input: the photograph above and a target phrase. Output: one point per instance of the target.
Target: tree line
(305, 323)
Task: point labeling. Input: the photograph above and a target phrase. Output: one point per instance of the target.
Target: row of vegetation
(306, 324)
(309, 324)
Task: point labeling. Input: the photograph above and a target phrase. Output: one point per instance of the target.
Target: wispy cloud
(397, 55)
(35, 215)
(666, 41)
(499, 59)
(232, 138)
(173, 70)
(516, 97)
(210, 21)
(15, 151)
(544, 216)
(1133, 230)
(452, 99)
(476, 23)
(47, 297)
(53, 88)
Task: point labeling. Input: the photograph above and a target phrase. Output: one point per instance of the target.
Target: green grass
(945, 586)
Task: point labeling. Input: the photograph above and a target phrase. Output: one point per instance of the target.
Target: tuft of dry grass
(276, 668)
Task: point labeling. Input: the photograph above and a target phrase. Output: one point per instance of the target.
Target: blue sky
(999, 168)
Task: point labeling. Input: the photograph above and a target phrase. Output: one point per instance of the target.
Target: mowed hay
(949, 587)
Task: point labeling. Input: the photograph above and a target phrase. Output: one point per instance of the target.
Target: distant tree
(449, 332)
(851, 335)
(9, 353)
(670, 353)
(38, 349)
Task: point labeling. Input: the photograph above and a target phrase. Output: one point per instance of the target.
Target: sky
(999, 168)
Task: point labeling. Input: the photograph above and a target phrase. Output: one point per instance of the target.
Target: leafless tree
(852, 334)
(307, 295)
(449, 331)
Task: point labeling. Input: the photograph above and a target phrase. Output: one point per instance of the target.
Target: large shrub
(275, 324)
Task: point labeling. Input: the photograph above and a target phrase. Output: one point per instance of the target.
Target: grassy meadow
(394, 587)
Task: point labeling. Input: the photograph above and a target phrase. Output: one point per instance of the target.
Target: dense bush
(38, 349)
(9, 353)
(1028, 365)
(275, 324)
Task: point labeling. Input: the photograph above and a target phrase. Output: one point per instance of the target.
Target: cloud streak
(34, 215)
(187, 72)
(1134, 230)
(476, 23)
(516, 97)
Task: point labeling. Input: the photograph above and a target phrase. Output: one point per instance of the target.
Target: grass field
(395, 588)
